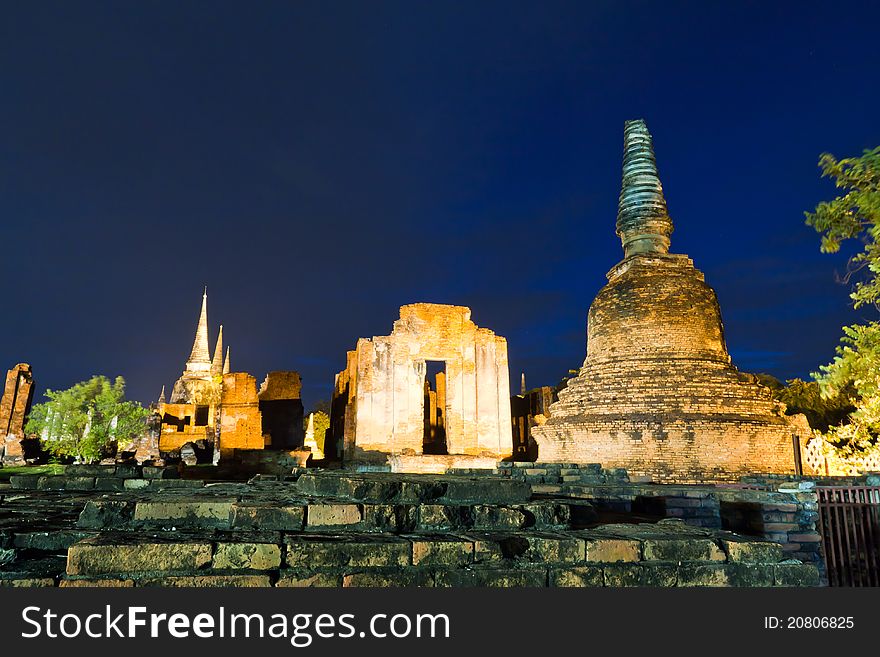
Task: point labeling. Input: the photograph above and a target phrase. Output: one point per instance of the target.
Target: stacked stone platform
(345, 529)
(106, 478)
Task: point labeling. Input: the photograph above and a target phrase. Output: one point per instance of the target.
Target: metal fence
(849, 522)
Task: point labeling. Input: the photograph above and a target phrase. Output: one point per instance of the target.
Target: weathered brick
(611, 550)
(693, 575)
(577, 576)
(208, 581)
(253, 516)
(99, 555)
(432, 551)
(308, 579)
(253, 556)
(685, 549)
(745, 551)
(215, 513)
(332, 515)
(310, 551)
(795, 574)
(96, 582)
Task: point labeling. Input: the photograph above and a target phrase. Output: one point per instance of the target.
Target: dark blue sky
(320, 164)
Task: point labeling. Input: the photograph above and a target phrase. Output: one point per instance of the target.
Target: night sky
(318, 164)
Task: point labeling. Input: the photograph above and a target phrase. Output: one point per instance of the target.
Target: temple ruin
(18, 393)
(387, 411)
(528, 409)
(657, 393)
(223, 412)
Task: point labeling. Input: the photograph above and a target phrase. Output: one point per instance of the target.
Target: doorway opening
(435, 408)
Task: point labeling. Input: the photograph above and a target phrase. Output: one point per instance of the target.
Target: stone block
(683, 549)
(128, 472)
(622, 574)
(553, 515)
(441, 550)
(164, 484)
(490, 577)
(386, 579)
(795, 574)
(208, 581)
(254, 516)
(316, 551)
(332, 515)
(52, 482)
(98, 514)
(487, 549)
(197, 513)
(249, 556)
(308, 579)
(96, 582)
(611, 550)
(741, 550)
(160, 472)
(101, 555)
(391, 518)
(659, 575)
(27, 582)
(55, 541)
(750, 574)
(543, 547)
(25, 482)
(433, 517)
(109, 484)
(79, 483)
(577, 576)
(135, 484)
(694, 575)
(497, 517)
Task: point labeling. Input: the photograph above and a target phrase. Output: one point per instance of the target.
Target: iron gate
(849, 522)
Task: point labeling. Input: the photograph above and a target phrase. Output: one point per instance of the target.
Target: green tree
(855, 214)
(822, 411)
(87, 419)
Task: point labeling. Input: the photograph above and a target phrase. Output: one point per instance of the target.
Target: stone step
(533, 575)
(66, 482)
(414, 489)
(323, 514)
(121, 553)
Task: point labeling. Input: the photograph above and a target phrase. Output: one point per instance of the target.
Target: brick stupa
(657, 393)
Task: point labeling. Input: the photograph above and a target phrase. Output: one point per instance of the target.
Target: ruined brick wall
(15, 405)
(384, 386)
(240, 420)
(282, 410)
(657, 394)
(528, 410)
(178, 425)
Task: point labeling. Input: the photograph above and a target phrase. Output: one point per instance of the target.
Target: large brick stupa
(657, 393)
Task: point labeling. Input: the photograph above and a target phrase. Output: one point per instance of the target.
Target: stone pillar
(15, 404)
(441, 404)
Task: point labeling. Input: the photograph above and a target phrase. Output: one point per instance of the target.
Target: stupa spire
(217, 361)
(643, 222)
(162, 396)
(200, 358)
(226, 362)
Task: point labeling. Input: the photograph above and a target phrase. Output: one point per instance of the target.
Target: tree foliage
(855, 371)
(823, 411)
(853, 215)
(87, 419)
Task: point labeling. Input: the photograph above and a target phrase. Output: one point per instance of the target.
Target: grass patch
(6, 473)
